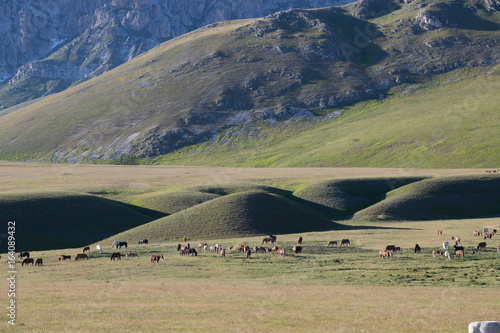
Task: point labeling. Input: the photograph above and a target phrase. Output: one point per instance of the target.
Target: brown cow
(299, 241)
(332, 243)
(81, 256)
(63, 258)
(39, 262)
(86, 249)
(27, 261)
(297, 249)
(116, 255)
(346, 242)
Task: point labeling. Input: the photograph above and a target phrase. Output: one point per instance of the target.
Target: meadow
(322, 289)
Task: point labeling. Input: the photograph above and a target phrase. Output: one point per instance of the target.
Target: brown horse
(155, 258)
(63, 258)
(86, 249)
(81, 256)
(27, 261)
(39, 262)
(116, 255)
(332, 243)
(345, 242)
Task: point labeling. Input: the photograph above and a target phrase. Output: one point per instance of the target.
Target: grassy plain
(348, 289)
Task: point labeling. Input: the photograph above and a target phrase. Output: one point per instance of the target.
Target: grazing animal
(81, 256)
(297, 249)
(332, 243)
(281, 252)
(417, 248)
(269, 250)
(274, 249)
(116, 242)
(21, 255)
(268, 240)
(248, 253)
(473, 251)
(495, 231)
(440, 232)
(192, 252)
(259, 249)
(178, 247)
(299, 241)
(345, 242)
(63, 258)
(385, 254)
(390, 248)
(481, 245)
(498, 248)
(459, 253)
(223, 253)
(274, 238)
(241, 248)
(458, 248)
(445, 245)
(39, 262)
(143, 241)
(447, 255)
(457, 240)
(477, 233)
(131, 255)
(437, 253)
(27, 261)
(86, 249)
(202, 246)
(116, 255)
(246, 248)
(99, 248)
(230, 247)
(119, 245)
(155, 258)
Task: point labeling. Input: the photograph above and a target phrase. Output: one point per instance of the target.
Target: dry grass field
(323, 289)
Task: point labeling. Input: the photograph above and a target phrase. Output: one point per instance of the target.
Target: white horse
(99, 249)
(116, 243)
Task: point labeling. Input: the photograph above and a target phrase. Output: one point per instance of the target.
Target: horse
(155, 258)
(63, 258)
(86, 249)
(131, 255)
(417, 248)
(116, 242)
(192, 252)
(299, 241)
(267, 240)
(27, 261)
(346, 242)
(116, 255)
(297, 249)
(21, 255)
(39, 262)
(119, 245)
(143, 241)
(81, 256)
(332, 243)
(99, 248)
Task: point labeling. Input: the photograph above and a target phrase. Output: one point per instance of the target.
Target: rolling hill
(300, 87)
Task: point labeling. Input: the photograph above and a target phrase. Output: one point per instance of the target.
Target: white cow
(99, 248)
(484, 327)
(445, 245)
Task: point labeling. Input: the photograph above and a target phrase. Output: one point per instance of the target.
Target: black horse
(119, 245)
(21, 255)
(143, 241)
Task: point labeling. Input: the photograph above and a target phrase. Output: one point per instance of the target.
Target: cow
(299, 241)
(332, 243)
(481, 245)
(28, 261)
(99, 248)
(459, 253)
(297, 249)
(116, 255)
(81, 256)
(39, 262)
(86, 249)
(345, 242)
(64, 257)
(417, 248)
(447, 255)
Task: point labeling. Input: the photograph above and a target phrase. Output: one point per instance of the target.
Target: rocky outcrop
(84, 39)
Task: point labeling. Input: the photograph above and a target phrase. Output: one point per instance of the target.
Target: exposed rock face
(84, 39)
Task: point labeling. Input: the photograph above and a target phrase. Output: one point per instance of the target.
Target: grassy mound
(457, 197)
(235, 215)
(171, 202)
(344, 197)
(59, 219)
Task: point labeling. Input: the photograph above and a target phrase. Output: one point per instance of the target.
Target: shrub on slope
(235, 215)
(441, 198)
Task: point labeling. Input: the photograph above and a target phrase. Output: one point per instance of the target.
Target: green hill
(366, 84)
(240, 214)
(59, 219)
(441, 198)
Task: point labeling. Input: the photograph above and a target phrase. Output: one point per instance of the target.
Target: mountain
(46, 46)
(366, 84)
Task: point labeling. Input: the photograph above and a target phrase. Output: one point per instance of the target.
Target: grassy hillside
(240, 214)
(299, 87)
(442, 198)
(59, 219)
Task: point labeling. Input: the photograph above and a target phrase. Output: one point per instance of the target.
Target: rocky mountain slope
(294, 64)
(45, 46)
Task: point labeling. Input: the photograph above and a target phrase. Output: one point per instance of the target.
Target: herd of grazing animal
(186, 249)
